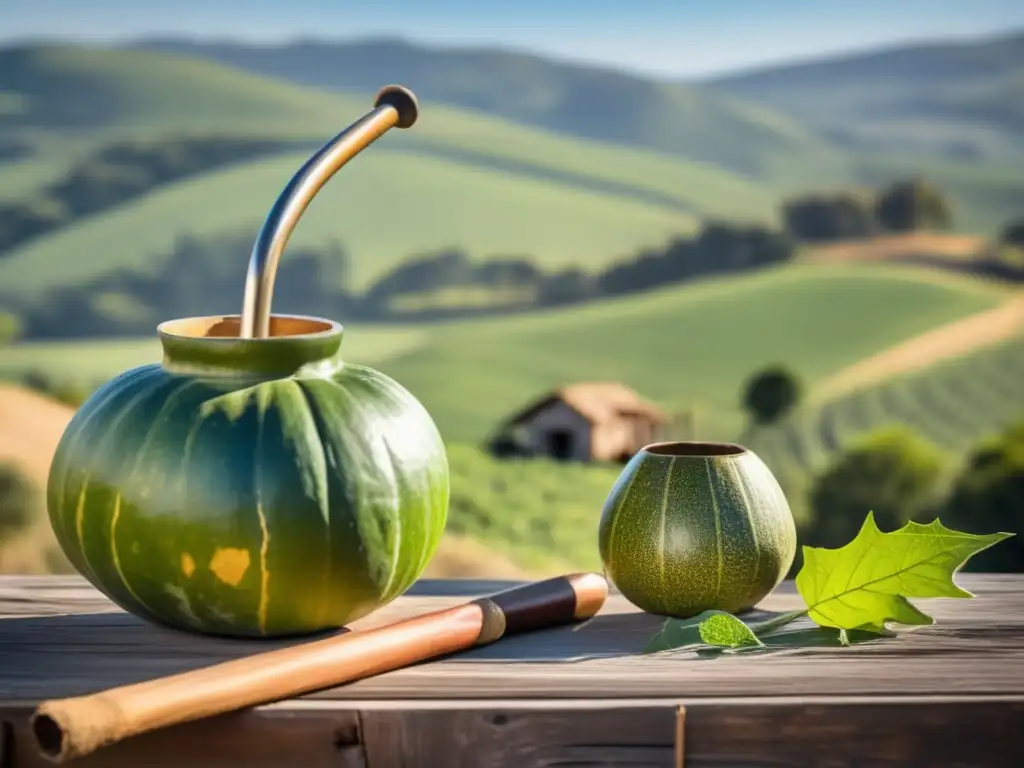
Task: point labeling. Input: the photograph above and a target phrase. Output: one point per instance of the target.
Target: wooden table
(947, 695)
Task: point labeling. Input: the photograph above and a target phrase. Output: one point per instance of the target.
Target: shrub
(18, 501)
(892, 472)
(988, 496)
(912, 204)
(771, 394)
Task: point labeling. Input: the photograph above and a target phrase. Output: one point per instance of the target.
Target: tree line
(905, 205)
(205, 276)
(117, 173)
(197, 275)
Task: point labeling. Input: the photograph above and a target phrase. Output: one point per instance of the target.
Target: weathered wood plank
(58, 637)
(841, 734)
(530, 738)
(831, 732)
(258, 738)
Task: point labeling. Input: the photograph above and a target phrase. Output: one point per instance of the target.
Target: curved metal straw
(394, 105)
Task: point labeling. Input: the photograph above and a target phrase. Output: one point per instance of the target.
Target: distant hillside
(948, 111)
(961, 99)
(381, 222)
(586, 101)
(79, 91)
(691, 346)
(458, 179)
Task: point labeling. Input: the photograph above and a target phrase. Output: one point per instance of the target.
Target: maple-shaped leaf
(865, 584)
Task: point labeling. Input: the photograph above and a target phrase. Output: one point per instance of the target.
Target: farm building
(590, 421)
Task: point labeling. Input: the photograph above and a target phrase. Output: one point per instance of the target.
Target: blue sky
(667, 37)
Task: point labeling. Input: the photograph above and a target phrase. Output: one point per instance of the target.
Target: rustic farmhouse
(598, 421)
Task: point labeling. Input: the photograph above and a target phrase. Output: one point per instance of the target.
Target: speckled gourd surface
(681, 534)
(250, 487)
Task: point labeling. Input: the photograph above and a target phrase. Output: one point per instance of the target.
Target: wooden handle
(73, 727)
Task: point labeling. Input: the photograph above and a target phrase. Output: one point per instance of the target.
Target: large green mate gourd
(253, 483)
(250, 486)
(690, 527)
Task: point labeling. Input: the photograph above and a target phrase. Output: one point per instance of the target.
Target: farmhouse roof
(597, 401)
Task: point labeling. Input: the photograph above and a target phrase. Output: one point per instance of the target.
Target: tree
(912, 204)
(1013, 233)
(771, 394)
(569, 286)
(820, 218)
(18, 501)
(988, 496)
(892, 472)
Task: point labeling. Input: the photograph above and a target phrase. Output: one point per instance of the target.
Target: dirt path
(887, 247)
(30, 428)
(951, 340)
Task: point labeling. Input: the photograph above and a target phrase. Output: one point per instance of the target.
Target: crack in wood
(6, 744)
(680, 746)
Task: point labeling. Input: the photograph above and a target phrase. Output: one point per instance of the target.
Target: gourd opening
(695, 449)
(215, 344)
(229, 327)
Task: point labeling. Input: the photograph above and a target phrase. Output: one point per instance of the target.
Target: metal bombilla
(394, 106)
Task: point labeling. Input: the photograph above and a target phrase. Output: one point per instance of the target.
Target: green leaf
(865, 584)
(724, 629)
(677, 633)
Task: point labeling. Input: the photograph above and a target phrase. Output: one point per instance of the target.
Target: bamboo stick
(73, 727)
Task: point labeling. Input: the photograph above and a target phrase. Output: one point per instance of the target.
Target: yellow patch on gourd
(188, 565)
(230, 564)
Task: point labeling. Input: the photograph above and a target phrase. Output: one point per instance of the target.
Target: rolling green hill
(436, 204)
(456, 179)
(963, 99)
(948, 110)
(954, 403)
(689, 347)
(584, 101)
(160, 94)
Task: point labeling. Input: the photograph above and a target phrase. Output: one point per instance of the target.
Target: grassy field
(688, 347)
(540, 514)
(954, 403)
(437, 204)
(457, 178)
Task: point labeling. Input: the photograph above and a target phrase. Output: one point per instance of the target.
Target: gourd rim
(694, 449)
(226, 328)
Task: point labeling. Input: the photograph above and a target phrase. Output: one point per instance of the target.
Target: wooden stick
(73, 727)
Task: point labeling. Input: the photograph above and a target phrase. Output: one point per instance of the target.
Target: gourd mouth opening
(696, 449)
(230, 326)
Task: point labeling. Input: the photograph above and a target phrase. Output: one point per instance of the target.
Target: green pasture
(954, 403)
(690, 348)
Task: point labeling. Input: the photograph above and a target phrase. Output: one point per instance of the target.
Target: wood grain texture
(619, 736)
(258, 738)
(835, 732)
(59, 637)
